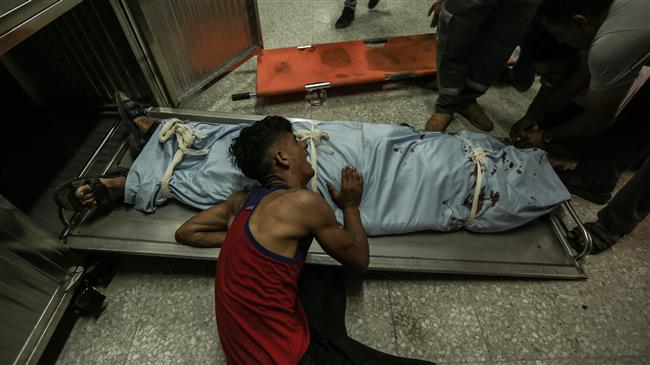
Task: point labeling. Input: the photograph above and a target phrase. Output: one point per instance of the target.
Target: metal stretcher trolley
(537, 249)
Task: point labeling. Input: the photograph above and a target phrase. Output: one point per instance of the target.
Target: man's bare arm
(208, 228)
(599, 113)
(349, 245)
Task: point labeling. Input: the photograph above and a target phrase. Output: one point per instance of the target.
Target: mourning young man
(264, 235)
(613, 127)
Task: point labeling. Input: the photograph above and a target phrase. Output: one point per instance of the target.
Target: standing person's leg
(347, 16)
(615, 150)
(459, 27)
(630, 206)
(626, 210)
(502, 31)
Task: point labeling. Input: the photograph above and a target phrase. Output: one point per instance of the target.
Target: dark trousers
(475, 40)
(630, 205)
(322, 294)
(622, 145)
(603, 157)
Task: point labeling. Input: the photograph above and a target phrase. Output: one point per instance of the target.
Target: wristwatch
(547, 137)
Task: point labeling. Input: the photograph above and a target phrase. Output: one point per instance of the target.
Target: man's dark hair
(544, 48)
(250, 151)
(560, 11)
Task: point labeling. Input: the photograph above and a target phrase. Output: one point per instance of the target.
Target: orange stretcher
(315, 68)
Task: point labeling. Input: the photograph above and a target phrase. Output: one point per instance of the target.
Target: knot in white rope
(185, 137)
(313, 136)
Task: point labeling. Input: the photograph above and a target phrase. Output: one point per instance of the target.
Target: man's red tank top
(259, 317)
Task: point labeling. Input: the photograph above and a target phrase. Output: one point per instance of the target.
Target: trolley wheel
(316, 97)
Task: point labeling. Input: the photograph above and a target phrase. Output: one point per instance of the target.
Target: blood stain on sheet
(503, 156)
(468, 202)
(494, 197)
(511, 164)
(519, 171)
(336, 57)
(444, 202)
(494, 172)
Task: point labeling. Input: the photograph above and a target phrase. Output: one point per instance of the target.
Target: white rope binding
(185, 137)
(314, 136)
(479, 156)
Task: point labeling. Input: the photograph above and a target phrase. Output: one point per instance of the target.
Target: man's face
(297, 152)
(577, 33)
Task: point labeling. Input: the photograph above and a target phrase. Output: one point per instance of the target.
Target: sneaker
(372, 4)
(579, 186)
(438, 122)
(475, 114)
(346, 18)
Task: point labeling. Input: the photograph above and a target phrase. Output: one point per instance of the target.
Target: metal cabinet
(37, 279)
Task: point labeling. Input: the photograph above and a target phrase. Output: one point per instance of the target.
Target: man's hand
(532, 138)
(522, 127)
(435, 10)
(351, 189)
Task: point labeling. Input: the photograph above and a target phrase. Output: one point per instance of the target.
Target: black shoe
(579, 186)
(345, 19)
(372, 3)
(601, 238)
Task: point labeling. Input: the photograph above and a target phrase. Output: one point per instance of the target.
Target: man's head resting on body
(268, 150)
(553, 62)
(574, 22)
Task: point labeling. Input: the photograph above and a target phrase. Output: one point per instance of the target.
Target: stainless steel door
(21, 18)
(186, 45)
(37, 275)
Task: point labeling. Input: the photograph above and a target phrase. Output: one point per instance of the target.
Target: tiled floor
(161, 311)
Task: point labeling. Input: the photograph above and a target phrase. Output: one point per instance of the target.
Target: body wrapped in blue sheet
(414, 181)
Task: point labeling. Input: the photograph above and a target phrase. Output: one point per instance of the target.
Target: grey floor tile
(601, 317)
(368, 314)
(285, 23)
(177, 325)
(107, 339)
(614, 361)
(293, 106)
(389, 18)
(218, 96)
(543, 362)
(395, 104)
(433, 324)
(520, 322)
